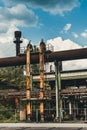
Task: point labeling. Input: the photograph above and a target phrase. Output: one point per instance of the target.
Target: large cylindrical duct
(28, 94)
(42, 50)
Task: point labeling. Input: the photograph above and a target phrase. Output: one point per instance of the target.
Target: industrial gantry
(33, 58)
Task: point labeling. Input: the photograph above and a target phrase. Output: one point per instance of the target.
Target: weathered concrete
(45, 125)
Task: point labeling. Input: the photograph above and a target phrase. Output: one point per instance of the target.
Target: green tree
(12, 77)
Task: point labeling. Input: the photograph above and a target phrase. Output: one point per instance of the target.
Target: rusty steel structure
(49, 56)
(16, 102)
(41, 57)
(42, 51)
(47, 94)
(28, 84)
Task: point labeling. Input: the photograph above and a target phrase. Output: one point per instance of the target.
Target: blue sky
(46, 19)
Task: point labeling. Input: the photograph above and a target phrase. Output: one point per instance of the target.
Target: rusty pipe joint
(42, 46)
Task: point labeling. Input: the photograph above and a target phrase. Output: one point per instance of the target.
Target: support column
(57, 92)
(59, 84)
(16, 102)
(42, 49)
(58, 89)
(74, 107)
(70, 108)
(28, 95)
(31, 87)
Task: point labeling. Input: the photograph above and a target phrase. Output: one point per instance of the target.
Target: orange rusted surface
(41, 108)
(41, 56)
(28, 108)
(16, 102)
(28, 94)
(41, 95)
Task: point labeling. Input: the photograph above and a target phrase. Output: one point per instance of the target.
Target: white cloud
(84, 34)
(59, 45)
(7, 47)
(66, 28)
(75, 35)
(18, 15)
(52, 6)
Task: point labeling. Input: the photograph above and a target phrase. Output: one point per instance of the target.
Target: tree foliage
(12, 77)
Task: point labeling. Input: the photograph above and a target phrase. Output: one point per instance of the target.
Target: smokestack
(17, 41)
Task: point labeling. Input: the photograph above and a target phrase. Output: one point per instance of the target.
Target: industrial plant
(49, 96)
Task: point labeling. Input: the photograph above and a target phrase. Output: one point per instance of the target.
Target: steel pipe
(49, 57)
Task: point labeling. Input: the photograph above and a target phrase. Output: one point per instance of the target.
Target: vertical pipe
(57, 96)
(58, 88)
(17, 48)
(16, 102)
(70, 108)
(28, 105)
(41, 80)
(59, 92)
(17, 41)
